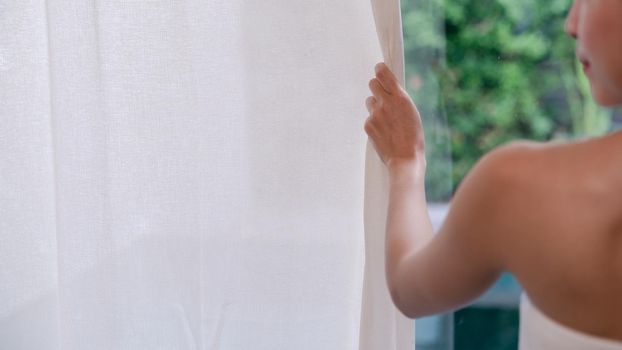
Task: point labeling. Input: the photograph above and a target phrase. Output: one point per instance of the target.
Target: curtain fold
(382, 325)
(185, 174)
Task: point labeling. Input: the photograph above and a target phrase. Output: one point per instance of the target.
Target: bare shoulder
(487, 197)
(506, 169)
(527, 161)
(527, 183)
(503, 193)
(555, 170)
(510, 162)
(531, 190)
(521, 167)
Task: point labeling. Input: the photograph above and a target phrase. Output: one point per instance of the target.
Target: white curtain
(185, 174)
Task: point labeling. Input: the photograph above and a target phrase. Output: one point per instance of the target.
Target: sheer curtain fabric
(190, 175)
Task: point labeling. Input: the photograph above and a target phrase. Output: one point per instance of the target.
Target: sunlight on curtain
(185, 174)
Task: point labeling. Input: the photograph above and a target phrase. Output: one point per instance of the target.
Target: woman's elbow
(403, 303)
(411, 302)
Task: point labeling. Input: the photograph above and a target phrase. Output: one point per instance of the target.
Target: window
(483, 73)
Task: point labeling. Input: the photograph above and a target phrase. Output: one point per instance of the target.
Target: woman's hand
(394, 124)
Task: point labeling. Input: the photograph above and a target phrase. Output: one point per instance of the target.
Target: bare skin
(550, 213)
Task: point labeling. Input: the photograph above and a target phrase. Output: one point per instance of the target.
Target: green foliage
(486, 72)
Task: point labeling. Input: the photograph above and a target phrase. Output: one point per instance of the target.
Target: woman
(549, 213)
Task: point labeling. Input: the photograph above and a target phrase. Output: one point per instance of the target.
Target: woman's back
(563, 231)
(540, 332)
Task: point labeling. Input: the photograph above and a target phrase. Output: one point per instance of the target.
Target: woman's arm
(408, 226)
(428, 273)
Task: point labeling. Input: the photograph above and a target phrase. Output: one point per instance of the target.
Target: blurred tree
(486, 72)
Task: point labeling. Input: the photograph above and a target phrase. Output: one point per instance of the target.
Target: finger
(377, 89)
(372, 132)
(387, 78)
(369, 127)
(370, 103)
